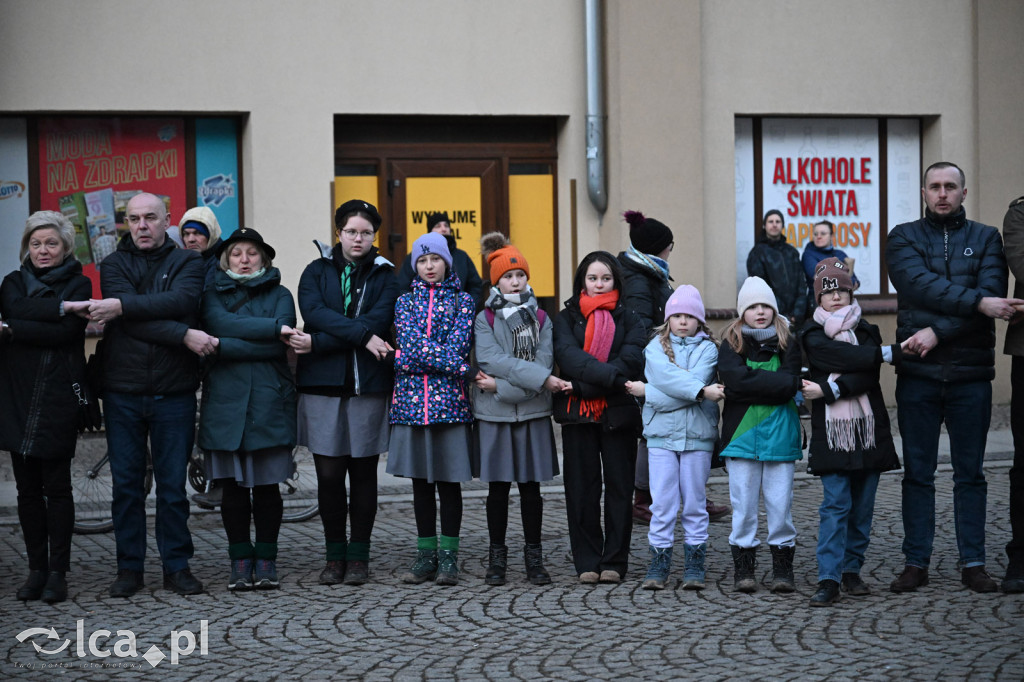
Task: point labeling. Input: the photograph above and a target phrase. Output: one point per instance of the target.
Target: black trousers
(588, 451)
(1015, 548)
(46, 510)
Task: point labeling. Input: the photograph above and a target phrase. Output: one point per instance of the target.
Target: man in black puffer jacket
(950, 276)
(777, 262)
(150, 359)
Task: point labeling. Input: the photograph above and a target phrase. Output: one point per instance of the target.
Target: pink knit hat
(685, 299)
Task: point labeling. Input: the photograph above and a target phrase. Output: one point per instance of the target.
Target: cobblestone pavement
(565, 631)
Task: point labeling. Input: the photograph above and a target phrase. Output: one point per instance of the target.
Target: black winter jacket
(644, 292)
(144, 349)
(941, 272)
(858, 367)
(779, 264)
(41, 360)
(591, 378)
(340, 365)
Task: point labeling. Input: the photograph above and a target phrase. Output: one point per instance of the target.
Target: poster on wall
(89, 168)
(14, 186)
(217, 170)
(826, 169)
(459, 197)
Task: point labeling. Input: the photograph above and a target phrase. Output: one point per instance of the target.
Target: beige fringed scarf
(846, 418)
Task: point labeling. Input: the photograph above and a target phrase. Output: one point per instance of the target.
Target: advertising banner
(90, 167)
(14, 184)
(826, 169)
(217, 170)
(460, 197)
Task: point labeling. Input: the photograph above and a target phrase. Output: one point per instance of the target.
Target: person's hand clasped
(201, 343)
(80, 308)
(378, 347)
(811, 390)
(301, 342)
(637, 389)
(714, 392)
(557, 385)
(999, 308)
(485, 382)
(103, 310)
(921, 342)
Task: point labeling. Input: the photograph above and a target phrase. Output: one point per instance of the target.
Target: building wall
(678, 73)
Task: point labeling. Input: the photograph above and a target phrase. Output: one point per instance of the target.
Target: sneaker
(610, 577)
(854, 586)
(977, 580)
(182, 582)
(909, 580)
(693, 566)
(265, 574)
(357, 572)
(33, 587)
(241, 575)
(127, 583)
(827, 594)
(423, 568)
(333, 573)
(589, 578)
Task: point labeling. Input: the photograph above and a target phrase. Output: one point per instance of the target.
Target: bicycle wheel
(300, 490)
(93, 488)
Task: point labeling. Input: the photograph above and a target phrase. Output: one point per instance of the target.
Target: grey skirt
(268, 466)
(517, 452)
(333, 426)
(440, 452)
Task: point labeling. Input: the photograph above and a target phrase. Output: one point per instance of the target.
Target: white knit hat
(755, 290)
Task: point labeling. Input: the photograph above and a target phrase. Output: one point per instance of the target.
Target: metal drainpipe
(595, 109)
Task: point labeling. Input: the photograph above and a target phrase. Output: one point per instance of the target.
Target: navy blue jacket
(939, 284)
(340, 363)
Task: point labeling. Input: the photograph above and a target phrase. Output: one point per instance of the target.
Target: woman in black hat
(247, 423)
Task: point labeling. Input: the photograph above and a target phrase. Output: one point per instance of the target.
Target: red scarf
(597, 341)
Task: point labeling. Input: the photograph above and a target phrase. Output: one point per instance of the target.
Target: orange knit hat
(502, 256)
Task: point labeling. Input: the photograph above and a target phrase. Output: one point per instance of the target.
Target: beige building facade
(678, 75)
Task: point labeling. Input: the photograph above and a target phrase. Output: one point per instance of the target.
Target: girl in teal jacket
(759, 364)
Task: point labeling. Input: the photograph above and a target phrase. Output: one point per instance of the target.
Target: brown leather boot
(642, 506)
(910, 579)
(977, 580)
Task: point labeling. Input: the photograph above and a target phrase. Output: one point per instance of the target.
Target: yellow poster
(532, 227)
(459, 197)
(354, 187)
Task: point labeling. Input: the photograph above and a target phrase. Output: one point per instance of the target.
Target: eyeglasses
(357, 234)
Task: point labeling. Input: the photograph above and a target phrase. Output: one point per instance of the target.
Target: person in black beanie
(645, 290)
(462, 264)
(778, 263)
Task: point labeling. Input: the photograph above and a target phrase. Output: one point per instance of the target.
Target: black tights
(265, 508)
(530, 502)
(423, 505)
(46, 510)
(362, 502)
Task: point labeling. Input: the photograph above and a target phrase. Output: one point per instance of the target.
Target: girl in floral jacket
(430, 413)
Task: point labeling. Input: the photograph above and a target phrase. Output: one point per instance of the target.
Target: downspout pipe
(595, 109)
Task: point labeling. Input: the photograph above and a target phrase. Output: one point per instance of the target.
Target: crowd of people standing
(456, 380)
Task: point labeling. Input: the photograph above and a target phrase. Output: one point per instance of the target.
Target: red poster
(90, 167)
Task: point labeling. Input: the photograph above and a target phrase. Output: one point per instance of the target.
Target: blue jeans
(169, 423)
(844, 529)
(966, 408)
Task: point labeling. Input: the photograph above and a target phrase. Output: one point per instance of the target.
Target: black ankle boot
(782, 569)
(33, 587)
(497, 563)
(56, 588)
(535, 571)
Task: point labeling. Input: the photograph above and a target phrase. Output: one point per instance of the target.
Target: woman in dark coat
(43, 360)
(345, 376)
(247, 422)
(599, 346)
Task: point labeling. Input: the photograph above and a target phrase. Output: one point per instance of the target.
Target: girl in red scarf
(598, 347)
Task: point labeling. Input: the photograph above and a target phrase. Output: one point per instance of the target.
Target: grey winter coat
(521, 395)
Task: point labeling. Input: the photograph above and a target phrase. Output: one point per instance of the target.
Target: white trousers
(678, 478)
(748, 479)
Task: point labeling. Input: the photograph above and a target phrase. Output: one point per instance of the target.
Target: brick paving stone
(387, 630)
